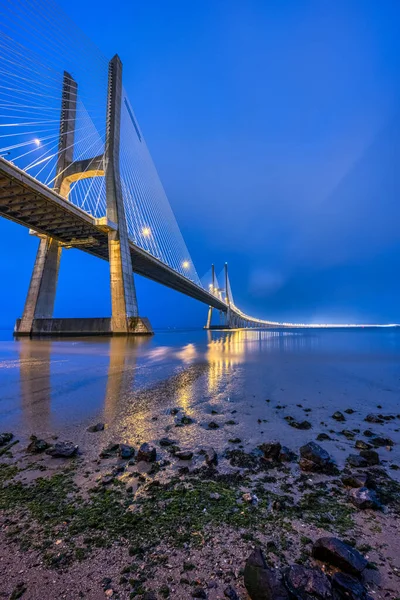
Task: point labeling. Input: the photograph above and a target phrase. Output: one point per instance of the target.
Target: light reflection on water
(58, 386)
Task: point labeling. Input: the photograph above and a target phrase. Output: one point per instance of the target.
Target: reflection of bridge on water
(53, 378)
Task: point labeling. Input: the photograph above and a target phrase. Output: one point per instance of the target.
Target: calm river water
(253, 379)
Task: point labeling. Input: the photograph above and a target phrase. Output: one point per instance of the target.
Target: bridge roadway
(28, 202)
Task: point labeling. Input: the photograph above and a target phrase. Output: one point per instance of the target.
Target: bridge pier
(37, 318)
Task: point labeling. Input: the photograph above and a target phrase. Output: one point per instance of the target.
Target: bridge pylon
(37, 318)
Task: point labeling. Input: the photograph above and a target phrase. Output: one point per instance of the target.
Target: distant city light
(36, 141)
(185, 264)
(146, 231)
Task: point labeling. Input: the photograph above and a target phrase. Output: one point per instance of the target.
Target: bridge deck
(28, 202)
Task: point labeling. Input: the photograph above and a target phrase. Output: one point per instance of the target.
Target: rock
(314, 458)
(235, 441)
(146, 453)
(97, 427)
(271, 449)
(111, 450)
(350, 435)
(214, 496)
(184, 455)
(341, 555)
(305, 583)
(349, 411)
(211, 457)
(63, 450)
(183, 420)
(149, 596)
(355, 460)
(286, 455)
(298, 424)
(379, 441)
(338, 416)
(213, 425)
(347, 587)
(164, 442)
(371, 418)
(368, 433)
(231, 593)
(361, 445)
(37, 445)
(175, 410)
(364, 498)
(250, 498)
(5, 438)
(125, 451)
(371, 456)
(199, 592)
(261, 582)
(323, 436)
(355, 480)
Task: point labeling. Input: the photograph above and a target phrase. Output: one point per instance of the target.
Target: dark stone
(235, 441)
(341, 555)
(305, 583)
(111, 450)
(239, 458)
(347, 587)
(286, 455)
(379, 441)
(315, 458)
(364, 498)
(368, 433)
(167, 442)
(5, 438)
(350, 435)
(298, 424)
(97, 427)
(63, 450)
(371, 456)
(184, 455)
(322, 437)
(230, 593)
(183, 420)
(349, 411)
(211, 457)
(371, 418)
(355, 480)
(361, 445)
(126, 451)
(149, 596)
(37, 445)
(213, 425)
(146, 453)
(271, 449)
(199, 592)
(338, 416)
(355, 460)
(261, 582)
(174, 411)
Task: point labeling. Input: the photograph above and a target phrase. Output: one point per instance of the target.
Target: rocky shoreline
(159, 520)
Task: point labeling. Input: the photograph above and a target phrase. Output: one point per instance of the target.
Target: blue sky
(275, 129)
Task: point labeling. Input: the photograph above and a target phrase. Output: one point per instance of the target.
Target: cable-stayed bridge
(76, 171)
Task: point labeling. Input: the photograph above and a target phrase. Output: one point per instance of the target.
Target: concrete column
(42, 289)
(123, 295)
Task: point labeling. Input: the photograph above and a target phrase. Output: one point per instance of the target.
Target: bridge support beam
(124, 315)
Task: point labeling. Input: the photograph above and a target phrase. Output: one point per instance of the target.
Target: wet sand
(250, 384)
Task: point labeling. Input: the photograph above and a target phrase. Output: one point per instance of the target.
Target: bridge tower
(37, 317)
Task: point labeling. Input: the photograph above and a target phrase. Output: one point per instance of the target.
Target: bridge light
(36, 141)
(146, 231)
(185, 264)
